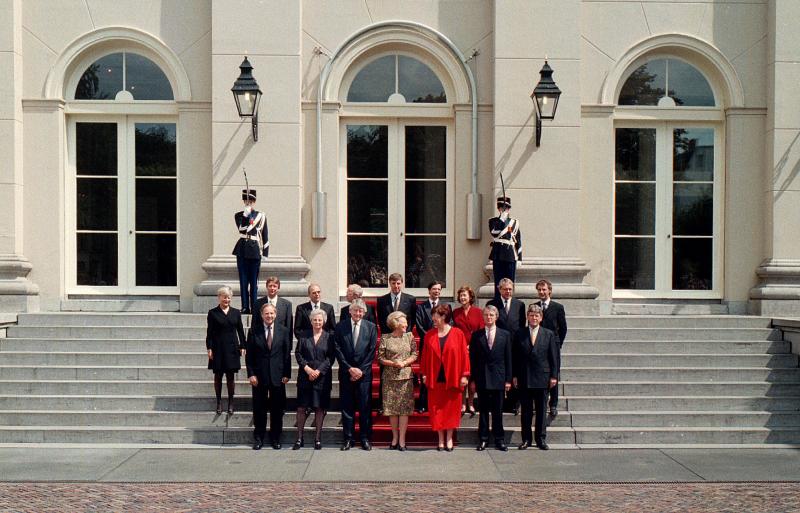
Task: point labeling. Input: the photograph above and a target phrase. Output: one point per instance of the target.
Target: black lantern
(545, 98)
(247, 95)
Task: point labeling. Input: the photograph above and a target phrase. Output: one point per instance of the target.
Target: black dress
(225, 338)
(319, 356)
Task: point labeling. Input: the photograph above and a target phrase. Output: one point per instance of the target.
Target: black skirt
(314, 398)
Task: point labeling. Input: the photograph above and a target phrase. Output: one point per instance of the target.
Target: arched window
(396, 79)
(668, 179)
(667, 83)
(125, 76)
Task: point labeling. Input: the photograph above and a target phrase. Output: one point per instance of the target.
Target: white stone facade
(563, 191)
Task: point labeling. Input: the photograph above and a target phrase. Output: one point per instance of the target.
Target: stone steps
(639, 380)
(681, 403)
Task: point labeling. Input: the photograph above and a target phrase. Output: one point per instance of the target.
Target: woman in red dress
(445, 370)
(468, 319)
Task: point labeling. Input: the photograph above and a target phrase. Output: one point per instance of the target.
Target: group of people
(505, 352)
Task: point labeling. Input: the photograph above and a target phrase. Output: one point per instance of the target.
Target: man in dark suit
(511, 317)
(302, 323)
(490, 368)
(283, 307)
(423, 323)
(535, 371)
(355, 291)
(269, 367)
(355, 340)
(396, 300)
(553, 318)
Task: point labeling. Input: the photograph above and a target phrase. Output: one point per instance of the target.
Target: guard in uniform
(252, 244)
(506, 244)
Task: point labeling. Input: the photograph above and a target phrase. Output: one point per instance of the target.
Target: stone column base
(778, 294)
(17, 293)
(221, 270)
(566, 275)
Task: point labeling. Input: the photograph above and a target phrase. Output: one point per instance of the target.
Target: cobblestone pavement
(772, 497)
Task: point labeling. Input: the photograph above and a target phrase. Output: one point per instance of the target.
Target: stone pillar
(543, 183)
(17, 293)
(269, 33)
(778, 292)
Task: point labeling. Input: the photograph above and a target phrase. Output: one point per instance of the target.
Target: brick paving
(770, 497)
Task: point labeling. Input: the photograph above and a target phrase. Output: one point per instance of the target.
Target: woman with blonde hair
(396, 352)
(224, 344)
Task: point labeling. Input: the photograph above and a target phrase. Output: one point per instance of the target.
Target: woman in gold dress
(396, 353)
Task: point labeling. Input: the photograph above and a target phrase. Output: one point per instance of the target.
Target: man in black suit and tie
(553, 318)
(302, 322)
(511, 317)
(424, 322)
(535, 371)
(396, 300)
(269, 367)
(355, 291)
(490, 367)
(355, 340)
(283, 307)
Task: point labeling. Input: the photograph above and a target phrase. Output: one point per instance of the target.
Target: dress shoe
(219, 407)
(245, 311)
(524, 445)
(471, 411)
(393, 447)
(298, 444)
(440, 448)
(276, 446)
(401, 448)
(481, 446)
(448, 449)
(347, 445)
(317, 445)
(230, 407)
(258, 444)
(553, 411)
(542, 445)
(423, 409)
(365, 445)
(501, 446)
(515, 410)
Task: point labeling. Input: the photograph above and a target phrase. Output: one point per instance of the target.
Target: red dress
(468, 322)
(444, 398)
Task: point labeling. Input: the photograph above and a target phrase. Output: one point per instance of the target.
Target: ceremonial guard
(252, 244)
(506, 243)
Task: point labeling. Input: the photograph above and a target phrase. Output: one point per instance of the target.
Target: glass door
(667, 225)
(397, 196)
(124, 206)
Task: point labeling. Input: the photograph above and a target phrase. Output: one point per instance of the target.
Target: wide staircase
(142, 379)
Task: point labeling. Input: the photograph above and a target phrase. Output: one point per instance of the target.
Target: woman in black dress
(225, 344)
(315, 356)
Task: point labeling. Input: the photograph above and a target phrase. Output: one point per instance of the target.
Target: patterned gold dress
(398, 385)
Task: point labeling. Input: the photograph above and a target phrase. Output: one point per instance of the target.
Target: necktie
(544, 306)
(507, 304)
(433, 304)
(394, 303)
(314, 306)
(533, 336)
(355, 335)
(490, 338)
(269, 337)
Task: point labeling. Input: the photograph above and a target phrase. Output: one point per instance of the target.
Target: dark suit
(554, 318)
(512, 321)
(344, 314)
(534, 366)
(491, 370)
(283, 314)
(360, 355)
(302, 321)
(319, 357)
(407, 305)
(270, 366)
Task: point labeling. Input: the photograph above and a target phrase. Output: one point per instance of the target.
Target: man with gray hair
(355, 291)
(302, 322)
(355, 340)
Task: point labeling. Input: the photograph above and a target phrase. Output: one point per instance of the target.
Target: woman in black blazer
(315, 355)
(225, 344)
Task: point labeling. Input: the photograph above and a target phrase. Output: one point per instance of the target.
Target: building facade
(669, 174)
